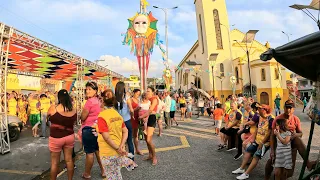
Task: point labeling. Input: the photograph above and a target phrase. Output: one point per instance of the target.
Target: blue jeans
(43, 124)
(130, 137)
(278, 112)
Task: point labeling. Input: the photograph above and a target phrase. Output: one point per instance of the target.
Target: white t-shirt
(167, 104)
(145, 106)
(160, 106)
(200, 103)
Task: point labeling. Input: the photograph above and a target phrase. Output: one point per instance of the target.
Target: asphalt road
(198, 159)
(184, 152)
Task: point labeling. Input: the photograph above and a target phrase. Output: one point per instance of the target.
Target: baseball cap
(265, 107)
(289, 103)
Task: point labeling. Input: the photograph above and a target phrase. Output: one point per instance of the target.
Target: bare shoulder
(52, 110)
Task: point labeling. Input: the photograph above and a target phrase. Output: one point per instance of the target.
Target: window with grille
(217, 26)
(276, 73)
(237, 74)
(263, 74)
(221, 70)
(201, 33)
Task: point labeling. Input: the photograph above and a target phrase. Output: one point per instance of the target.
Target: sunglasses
(288, 107)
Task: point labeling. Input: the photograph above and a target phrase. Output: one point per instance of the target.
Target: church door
(264, 98)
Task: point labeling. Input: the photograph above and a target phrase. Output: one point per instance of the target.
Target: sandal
(314, 164)
(147, 158)
(83, 177)
(154, 162)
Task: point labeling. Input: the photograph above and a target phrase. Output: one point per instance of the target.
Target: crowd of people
(112, 122)
(251, 129)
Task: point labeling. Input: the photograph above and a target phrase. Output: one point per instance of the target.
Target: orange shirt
(218, 113)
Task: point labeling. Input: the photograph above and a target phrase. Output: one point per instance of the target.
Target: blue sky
(92, 28)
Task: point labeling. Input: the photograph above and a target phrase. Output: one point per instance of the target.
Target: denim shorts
(89, 140)
(253, 150)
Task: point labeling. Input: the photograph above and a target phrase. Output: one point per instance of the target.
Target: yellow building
(212, 49)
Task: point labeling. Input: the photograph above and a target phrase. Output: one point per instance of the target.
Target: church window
(237, 74)
(218, 29)
(201, 33)
(221, 70)
(263, 74)
(276, 73)
(185, 79)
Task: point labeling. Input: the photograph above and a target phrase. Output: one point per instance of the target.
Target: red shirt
(151, 99)
(294, 124)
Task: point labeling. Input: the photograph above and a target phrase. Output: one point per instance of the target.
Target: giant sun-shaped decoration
(142, 34)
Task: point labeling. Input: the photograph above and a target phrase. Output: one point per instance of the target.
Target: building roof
(193, 48)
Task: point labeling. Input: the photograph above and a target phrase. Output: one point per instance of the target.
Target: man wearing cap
(259, 145)
(294, 126)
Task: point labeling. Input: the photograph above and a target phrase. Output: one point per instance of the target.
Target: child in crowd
(145, 105)
(173, 110)
(283, 160)
(218, 114)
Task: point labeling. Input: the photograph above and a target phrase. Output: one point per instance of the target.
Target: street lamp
(197, 67)
(212, 59)
(231, 58)
(294, 78)
(314, 5)
(249, 38)
(221, 92)
(165, 10)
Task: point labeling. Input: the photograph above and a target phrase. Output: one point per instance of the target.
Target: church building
(218, 60)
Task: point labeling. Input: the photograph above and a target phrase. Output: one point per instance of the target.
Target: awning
(31, 55)
(302, 56)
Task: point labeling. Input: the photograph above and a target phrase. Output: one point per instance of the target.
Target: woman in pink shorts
(62, 118)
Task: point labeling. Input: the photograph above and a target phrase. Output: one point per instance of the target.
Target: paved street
(184, 152)
(195, 159)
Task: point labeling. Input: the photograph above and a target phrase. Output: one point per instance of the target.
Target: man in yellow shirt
(12, 105)
(45, 104)
(34, 116)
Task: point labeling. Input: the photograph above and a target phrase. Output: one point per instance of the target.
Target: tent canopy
(29, 54)
(302, 56)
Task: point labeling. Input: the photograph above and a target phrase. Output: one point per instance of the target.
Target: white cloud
(66, 10)
(128, 67)
(271, 23)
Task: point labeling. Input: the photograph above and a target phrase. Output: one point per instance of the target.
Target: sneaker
(264, 149)
(130, 155)
(231, 149)
(238, 171)
(238, 156)
(65, 167)
(42, 137)
(243, 176)
(221, 147)
(130, 168)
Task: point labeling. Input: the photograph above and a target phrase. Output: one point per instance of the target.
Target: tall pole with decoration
(141, 36)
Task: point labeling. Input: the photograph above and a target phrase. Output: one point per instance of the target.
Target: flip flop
(83, 177)
(139, 153)
(314, 164)
(147, 158)
(154, 163)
